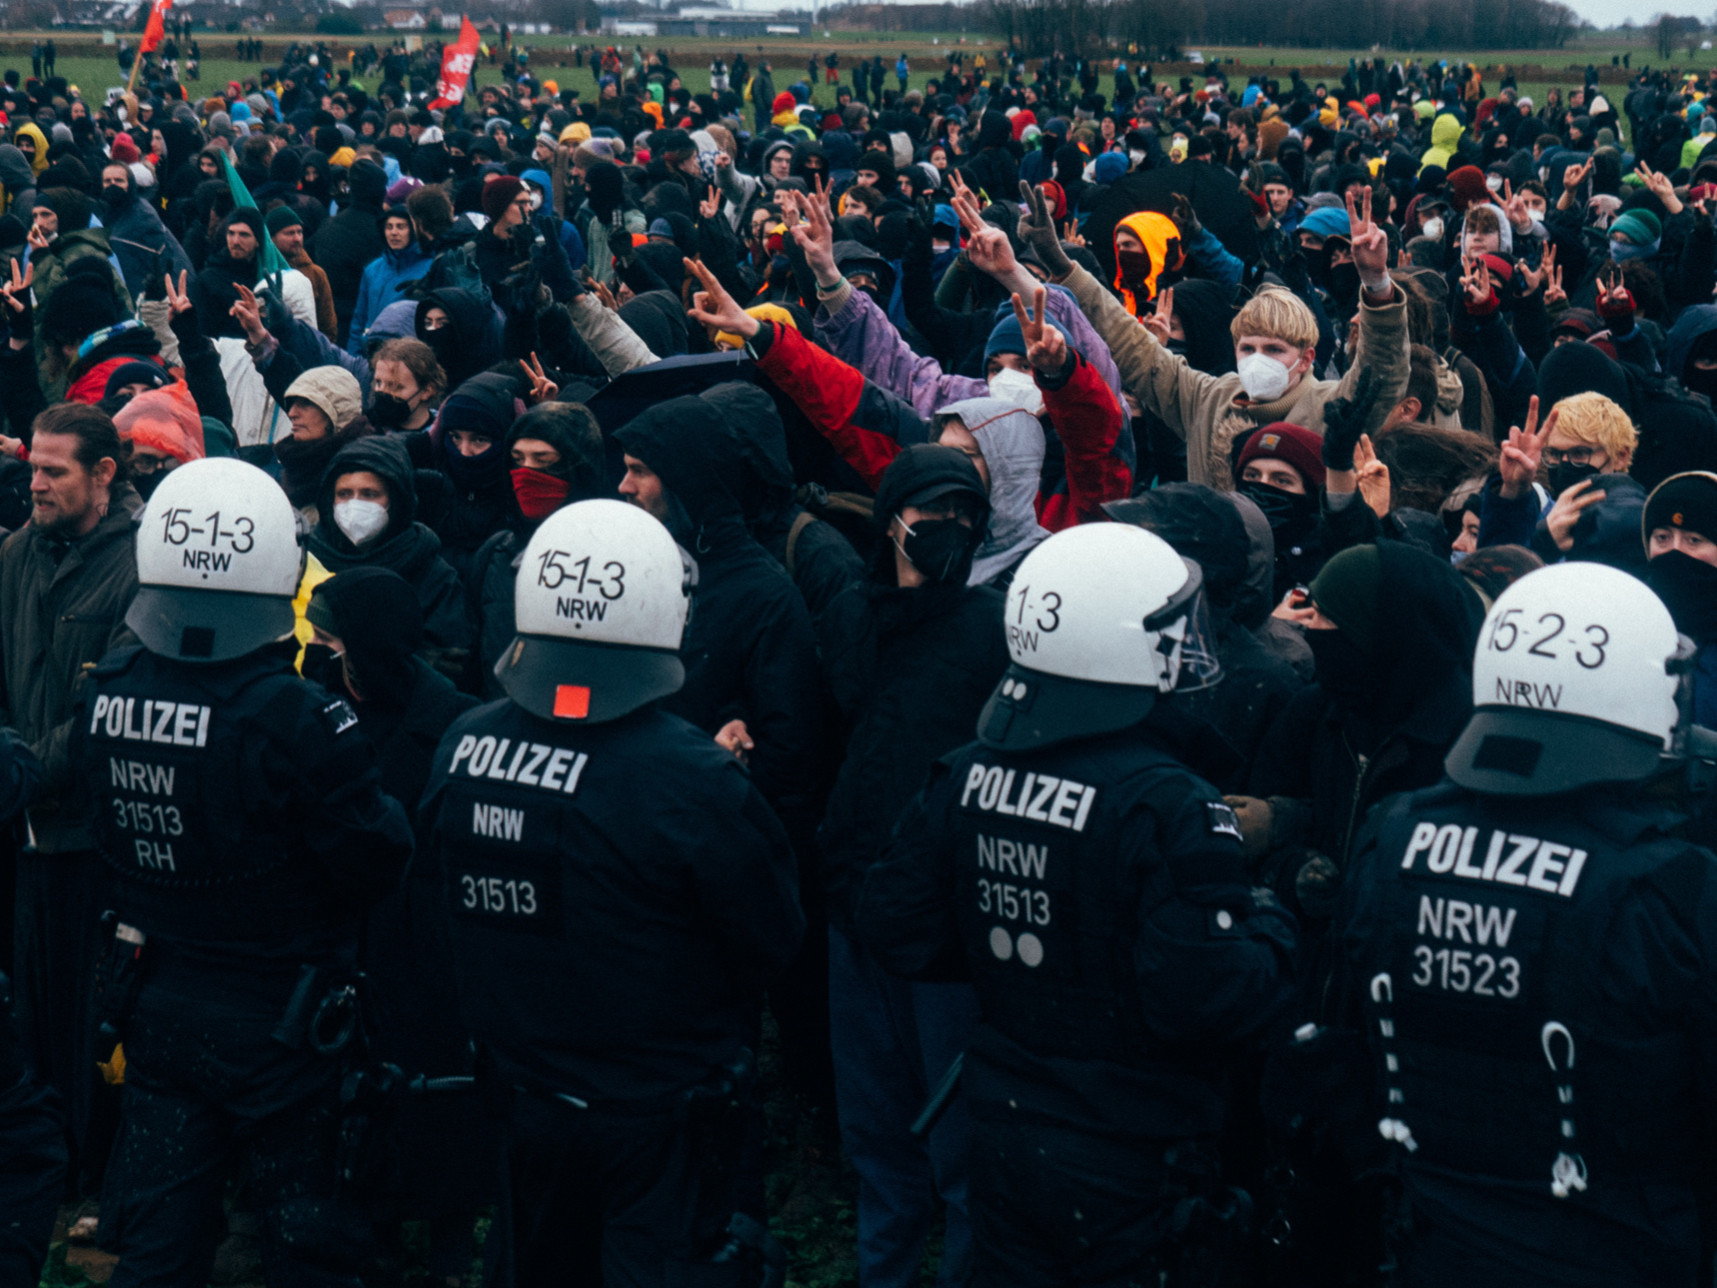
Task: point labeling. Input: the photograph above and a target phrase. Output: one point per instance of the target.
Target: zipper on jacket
(1363, 764)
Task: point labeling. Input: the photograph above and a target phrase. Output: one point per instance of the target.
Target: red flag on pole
(457, 61)
(156, 31)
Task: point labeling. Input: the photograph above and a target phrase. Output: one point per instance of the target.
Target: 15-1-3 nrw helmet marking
(600, 605)
(218, 563)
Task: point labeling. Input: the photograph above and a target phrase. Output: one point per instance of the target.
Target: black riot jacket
(1095, 894)
(618, 893)
(237, 806)
(1535, 980)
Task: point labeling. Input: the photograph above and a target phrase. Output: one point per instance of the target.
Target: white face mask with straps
(1018, 388)
(1262, 377)
(360, 520)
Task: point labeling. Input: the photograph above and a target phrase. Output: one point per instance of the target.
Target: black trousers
(204, 1078)
(624, 1202)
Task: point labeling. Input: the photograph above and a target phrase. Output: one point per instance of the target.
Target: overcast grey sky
(1610, 13)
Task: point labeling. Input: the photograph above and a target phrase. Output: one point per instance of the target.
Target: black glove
(1037, 230)
(277, 319)
(1345, 420)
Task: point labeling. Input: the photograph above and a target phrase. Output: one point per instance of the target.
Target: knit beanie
(499, 193)
(282, 217)
(1345, 591)
(1294, 444)
(1639, 226)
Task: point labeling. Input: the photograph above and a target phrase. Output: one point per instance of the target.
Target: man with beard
(66, 582)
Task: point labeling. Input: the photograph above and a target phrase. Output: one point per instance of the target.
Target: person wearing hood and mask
(367, 516)
(910, 654)
(1682, 570)
(556, 457)
(29, 139)
(749, 652)
(1282, 472)
(472, 431)
(607, 220)
(139, 239)
(462, 330)
(368, 630)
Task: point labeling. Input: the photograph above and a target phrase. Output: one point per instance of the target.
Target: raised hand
(722, 160)
(17, 291)
(1161, 321)
(249, 314)
(1186, 221)
(178, 297)
(711, 204)
(814, 230)
(1373, 477)
(37, 238)
(1533, 278)
(1553, 292)
(1567, 511)
(1518, 464)
(542, 388)
(714, 307)
(1661, 186)
(603, 295)
(1037, 230)
(1515, 208)
(1370, 246)
(1045, 346)
(1476, 284)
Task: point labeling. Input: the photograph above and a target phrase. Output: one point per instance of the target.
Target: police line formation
(1159, 642)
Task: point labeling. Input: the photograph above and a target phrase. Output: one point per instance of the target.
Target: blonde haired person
(1275, 348)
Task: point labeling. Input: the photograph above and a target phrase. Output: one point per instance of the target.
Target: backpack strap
(801, 521)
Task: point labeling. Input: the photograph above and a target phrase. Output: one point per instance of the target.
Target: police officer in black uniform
(238, 810)
(1093, 888)
(1535, 957)
(619, 895)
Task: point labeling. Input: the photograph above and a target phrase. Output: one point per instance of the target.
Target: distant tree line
(1160, 26)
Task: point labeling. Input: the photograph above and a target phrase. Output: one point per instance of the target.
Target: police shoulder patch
(338, 715)
(1221, 820)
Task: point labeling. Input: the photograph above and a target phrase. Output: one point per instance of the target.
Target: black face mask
(113, 194)
(1567, 474)
(322, 665)
(1291, 515)
(389, 411)
(941, 549)
(1688, 588)
(1700, 380)
(1344, 282)
(1344, 670)
(446, 346)
(147, 483)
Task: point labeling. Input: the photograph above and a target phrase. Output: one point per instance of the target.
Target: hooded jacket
(1209, 528)
(17, 182)
(472, 339)
(405, 546)
(820, 560)
(142, 244)
(29, 129)
(910, 670)
(382, 282)
(1013, 447)
(749, 651)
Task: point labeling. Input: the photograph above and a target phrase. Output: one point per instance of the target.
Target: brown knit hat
(498, 194)
(1270, 136)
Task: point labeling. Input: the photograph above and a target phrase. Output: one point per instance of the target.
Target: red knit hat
(125, 149)
(784, 102)
(499, 193)
(1293, 444)
(1467, 187)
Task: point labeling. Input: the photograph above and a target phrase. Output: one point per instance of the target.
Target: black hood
(1202, 525)
(477, 343)
(659, 321)
(384, 456)
(1205, 312)
(686, 442)
(766, 479)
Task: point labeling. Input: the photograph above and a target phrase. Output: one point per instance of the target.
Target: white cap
(600, 604)
(1574, 682)
(217, 561)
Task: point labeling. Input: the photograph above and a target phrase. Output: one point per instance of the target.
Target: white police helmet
(600, 604)
(1576, 681)
(217, 561)
(1100, 619)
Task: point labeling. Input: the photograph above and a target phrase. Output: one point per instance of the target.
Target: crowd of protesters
(1367, 349)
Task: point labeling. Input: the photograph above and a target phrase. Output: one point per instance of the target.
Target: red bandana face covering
(539, 494)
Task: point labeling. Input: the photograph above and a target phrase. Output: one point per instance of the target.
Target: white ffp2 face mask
(1018, 388)
(1262, 377)
(1432, 228)
(360, 520)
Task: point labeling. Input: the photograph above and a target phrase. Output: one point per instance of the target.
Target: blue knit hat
(1328, 221)
(1110, 167)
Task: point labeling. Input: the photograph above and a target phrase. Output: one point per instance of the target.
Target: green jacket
(50, 270)
(62, 607)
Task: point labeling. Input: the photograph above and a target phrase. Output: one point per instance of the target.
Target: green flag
(272, 262)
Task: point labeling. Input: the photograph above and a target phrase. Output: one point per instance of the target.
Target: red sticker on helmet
(571, 702)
